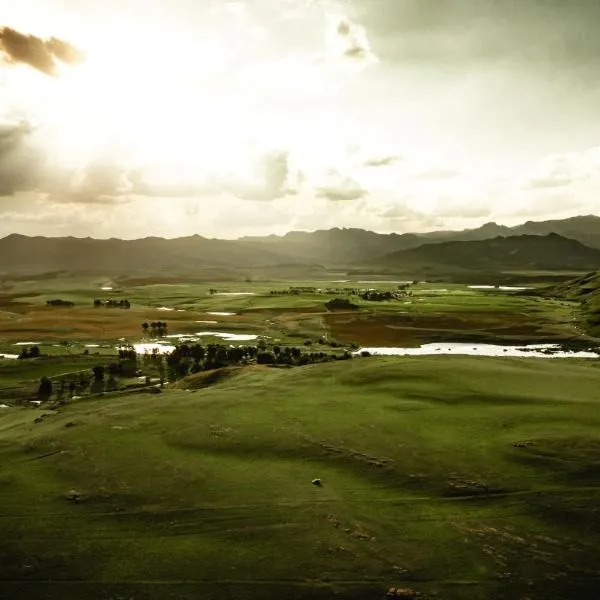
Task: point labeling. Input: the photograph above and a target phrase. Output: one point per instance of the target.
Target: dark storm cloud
(551, 32)
(36, 52)
(21, 163)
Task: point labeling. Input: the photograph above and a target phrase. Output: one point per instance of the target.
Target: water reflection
(528, 351)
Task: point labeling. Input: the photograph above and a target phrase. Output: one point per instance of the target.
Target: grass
(287, 318)
(198, 494)
(461, 478)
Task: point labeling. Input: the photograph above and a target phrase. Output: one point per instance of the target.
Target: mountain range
(568, 244)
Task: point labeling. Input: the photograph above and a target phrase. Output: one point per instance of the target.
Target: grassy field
(431, 313)
(451, 308)
(460, 478)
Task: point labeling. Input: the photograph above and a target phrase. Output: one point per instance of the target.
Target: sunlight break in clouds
(288, 113)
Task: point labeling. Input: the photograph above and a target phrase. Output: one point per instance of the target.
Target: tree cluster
(193, 358)
(112, 303)
(78, 384)
(61, 303)
(155, 328)
(31, 352)
(127, 352)
(381, 295)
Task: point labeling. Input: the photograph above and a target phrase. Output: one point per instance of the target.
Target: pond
(230, 337)
(385, 281)
(152, 346)
(221, 314)
(528, 351)
(235, 294)
(9, 356)
(106, 288)
(499, 287)
(182, 338)
(27, 343)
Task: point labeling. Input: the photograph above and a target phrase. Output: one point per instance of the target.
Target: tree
(98, 383)
(265, 358)
(114, 369)
(98, 372)
(145, 328)
(60, 392)
(44, 389)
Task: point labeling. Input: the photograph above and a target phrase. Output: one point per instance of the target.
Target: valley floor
(460, 478)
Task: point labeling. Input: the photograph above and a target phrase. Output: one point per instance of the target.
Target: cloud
(564, 169)
(436, 173)
(21, 164)
(340, 187)
(380, 161)
(141, 187)
(474, 31)
(550, 204)
(271, 179)
(37, 53)
(269, 176)
(403, 215)
(450, 208)
(97, 183)
(349, 40)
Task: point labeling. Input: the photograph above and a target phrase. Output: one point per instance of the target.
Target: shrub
(265, 358)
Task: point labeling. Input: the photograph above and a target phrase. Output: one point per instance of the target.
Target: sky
(226, 118)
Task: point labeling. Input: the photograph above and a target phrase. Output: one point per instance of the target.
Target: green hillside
(532, 252)
(585, 289)
(461, 478)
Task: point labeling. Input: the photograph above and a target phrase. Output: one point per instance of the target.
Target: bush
(340, 304)
(265, 358)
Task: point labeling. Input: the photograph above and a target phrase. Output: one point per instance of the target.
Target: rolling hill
(524, 252)
(586, 290)
(463, 479)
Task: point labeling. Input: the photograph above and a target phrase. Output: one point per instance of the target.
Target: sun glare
(144, 99)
